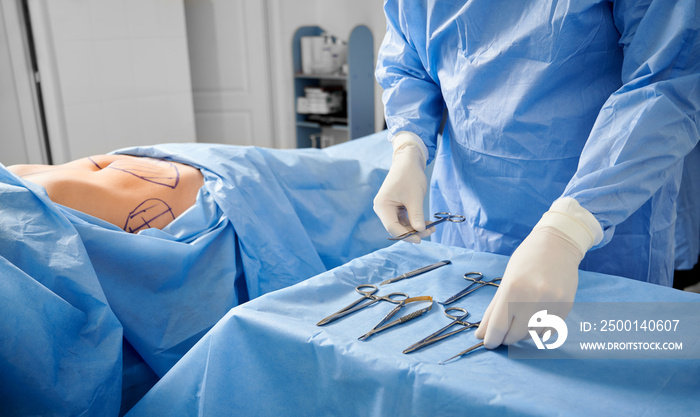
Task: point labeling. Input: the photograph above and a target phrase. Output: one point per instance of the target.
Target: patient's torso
(133, 193)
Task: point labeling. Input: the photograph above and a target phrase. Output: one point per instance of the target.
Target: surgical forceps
(476, 278)
(442, 216)
(394, 297)
(440, 334)
(383, 325)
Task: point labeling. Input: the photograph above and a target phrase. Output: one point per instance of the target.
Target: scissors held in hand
(477, 282)
(440, 334)
(367, 291)
(442, 216)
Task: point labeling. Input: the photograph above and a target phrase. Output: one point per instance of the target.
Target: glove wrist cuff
(575, 222)
(405, 139)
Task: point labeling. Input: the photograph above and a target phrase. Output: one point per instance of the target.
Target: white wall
(114, 74)
(338, 17)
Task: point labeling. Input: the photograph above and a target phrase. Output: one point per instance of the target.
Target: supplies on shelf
(323, 54)
(322, 141)
(319, 100)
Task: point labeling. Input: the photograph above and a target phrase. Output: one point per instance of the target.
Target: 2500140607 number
(638, 325)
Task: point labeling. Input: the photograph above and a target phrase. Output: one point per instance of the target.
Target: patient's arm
(133, 193)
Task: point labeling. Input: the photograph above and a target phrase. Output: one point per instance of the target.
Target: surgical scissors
(440, 335)
(394, 297)
(383, 325)
(442, 216)
(470, 288)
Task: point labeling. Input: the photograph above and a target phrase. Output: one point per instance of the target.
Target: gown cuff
(406, 138)
(567, 216)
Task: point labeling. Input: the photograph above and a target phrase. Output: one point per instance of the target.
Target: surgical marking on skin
(94, 163)
(148, 172)
(146, 213)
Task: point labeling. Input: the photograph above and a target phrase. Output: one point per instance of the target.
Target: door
(230, 71)
(21, 135)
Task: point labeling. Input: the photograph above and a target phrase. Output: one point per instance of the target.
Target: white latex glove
(541, 273)
(399, 201)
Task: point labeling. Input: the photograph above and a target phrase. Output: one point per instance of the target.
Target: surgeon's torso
(523, 83)
(523, 79)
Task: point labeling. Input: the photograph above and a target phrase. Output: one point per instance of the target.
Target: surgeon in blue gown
(566, 125)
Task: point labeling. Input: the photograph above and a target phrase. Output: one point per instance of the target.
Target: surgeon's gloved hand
(399, 201)
(541, 273)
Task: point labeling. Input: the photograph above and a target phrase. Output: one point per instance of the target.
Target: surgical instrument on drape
(440, 334)
(394, 297)
(416, 272)
(462, 353)
(442, 216)
(383, 325)
(476, 278)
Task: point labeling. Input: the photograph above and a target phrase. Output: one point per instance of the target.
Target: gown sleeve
(412, 98)
(645, 128)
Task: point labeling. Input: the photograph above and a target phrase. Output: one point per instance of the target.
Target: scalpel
(416, 272)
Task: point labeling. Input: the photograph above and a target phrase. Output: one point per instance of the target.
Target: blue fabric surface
(688, 223)
(595, 100)
(268, 357)
(265, 219)
(157, 282)
(60, 343)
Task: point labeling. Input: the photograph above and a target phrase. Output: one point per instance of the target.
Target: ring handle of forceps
(460, 319)
(479, 276)
(495, 282)
(446, 216)
(367, 294)
(442, 216)
(389, 297)
(469, 288)
(440, 334)
(464, 311)
(461, 294)
(480, 279)
(357, 304)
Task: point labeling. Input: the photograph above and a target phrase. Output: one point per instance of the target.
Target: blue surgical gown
(688, 222)
(589, 99)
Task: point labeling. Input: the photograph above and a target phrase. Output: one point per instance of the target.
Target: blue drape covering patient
(60, 343)
(263, 220)
(91, 313)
